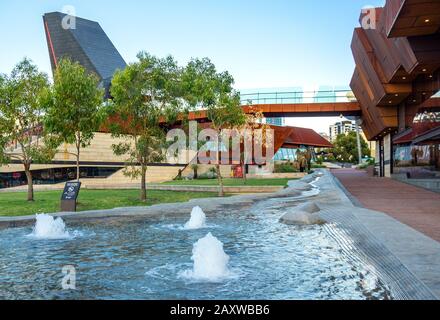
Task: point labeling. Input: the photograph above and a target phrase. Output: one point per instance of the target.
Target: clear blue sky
(262, 43)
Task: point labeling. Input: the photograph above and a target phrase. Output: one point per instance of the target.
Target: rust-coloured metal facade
(397, 64)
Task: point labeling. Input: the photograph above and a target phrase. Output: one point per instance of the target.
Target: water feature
(197, 220)
(210, 261)
(48, 227)
(252, 256)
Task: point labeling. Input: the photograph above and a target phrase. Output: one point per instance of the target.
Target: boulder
(305, 214)
(299, 185)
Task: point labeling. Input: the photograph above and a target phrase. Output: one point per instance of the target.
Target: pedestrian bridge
(284, 104)
(303, 103)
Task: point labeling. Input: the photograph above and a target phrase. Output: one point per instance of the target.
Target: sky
(262, 43)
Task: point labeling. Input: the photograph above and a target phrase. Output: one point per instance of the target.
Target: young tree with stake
(207, 89)
(22, 136)
(146, 94)
(74, 107)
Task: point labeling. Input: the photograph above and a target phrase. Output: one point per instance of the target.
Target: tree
(145, 94)
(253, 121)
(346, 150)
(22, 137)
(207, 89)
(74, 107)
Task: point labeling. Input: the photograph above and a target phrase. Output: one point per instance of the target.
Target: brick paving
(415, 207)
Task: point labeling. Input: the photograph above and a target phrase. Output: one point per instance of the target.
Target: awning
(307, 137)
(404, 137)
(433, 134)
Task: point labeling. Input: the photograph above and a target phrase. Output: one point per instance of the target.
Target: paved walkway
(415, 207)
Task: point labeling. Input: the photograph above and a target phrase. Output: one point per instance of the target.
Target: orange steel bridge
(296, 104)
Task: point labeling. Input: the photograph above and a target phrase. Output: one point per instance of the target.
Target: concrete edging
(162, 187)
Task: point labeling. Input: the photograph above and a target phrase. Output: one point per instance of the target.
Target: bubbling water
(47, 227)
(210, 261)
(197, 220)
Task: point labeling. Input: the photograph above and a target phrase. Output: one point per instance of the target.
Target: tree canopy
(74, 106)
(21, 118)
(346, 150)
(206, 88)
(145, 94)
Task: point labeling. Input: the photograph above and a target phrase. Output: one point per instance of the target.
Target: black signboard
(69, 196)
(71, 191)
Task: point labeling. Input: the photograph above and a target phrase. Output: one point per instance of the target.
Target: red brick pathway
(415, 207)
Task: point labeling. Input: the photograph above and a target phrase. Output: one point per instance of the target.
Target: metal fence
(332, 96)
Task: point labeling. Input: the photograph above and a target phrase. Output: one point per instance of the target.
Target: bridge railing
(332, 96)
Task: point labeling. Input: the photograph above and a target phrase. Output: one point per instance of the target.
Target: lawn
(15, 204)
(230, 182)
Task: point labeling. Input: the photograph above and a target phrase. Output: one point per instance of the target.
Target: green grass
(15, 204)
(230, 182)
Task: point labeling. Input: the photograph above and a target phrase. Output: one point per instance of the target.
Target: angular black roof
(87, 44)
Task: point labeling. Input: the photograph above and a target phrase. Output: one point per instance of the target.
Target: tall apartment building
(342, 127)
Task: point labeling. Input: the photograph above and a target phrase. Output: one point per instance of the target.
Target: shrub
(319, 160)
(207, 176)
(285, 168)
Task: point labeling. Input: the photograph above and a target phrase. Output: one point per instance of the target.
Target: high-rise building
(342, 127)
(83, 41)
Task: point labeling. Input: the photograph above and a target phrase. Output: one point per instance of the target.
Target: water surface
(117, 259)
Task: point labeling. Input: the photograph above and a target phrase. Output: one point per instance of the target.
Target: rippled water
(117, 259)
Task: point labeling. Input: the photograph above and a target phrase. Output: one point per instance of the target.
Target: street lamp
(358, 122)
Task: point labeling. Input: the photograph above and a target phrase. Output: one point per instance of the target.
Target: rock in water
(306, 214)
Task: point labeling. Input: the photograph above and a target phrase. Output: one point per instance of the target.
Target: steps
(155, 174)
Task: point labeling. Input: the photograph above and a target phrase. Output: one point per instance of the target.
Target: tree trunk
(243, 168)
(196, 174)
(30, 183)
(143, 195)
(78, 147)
(221, 191)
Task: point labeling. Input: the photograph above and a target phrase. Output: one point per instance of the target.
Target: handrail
(298, 97)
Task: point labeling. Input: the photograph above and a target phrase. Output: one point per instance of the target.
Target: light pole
(358, 122)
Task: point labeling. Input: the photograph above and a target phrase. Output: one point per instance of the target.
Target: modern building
(83, 41)
(276, 121)
(288, 140)
(342, 127)
(397, 54)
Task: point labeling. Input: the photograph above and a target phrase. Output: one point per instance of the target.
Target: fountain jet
(210, 261)
(47, 227)
(197, 220)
